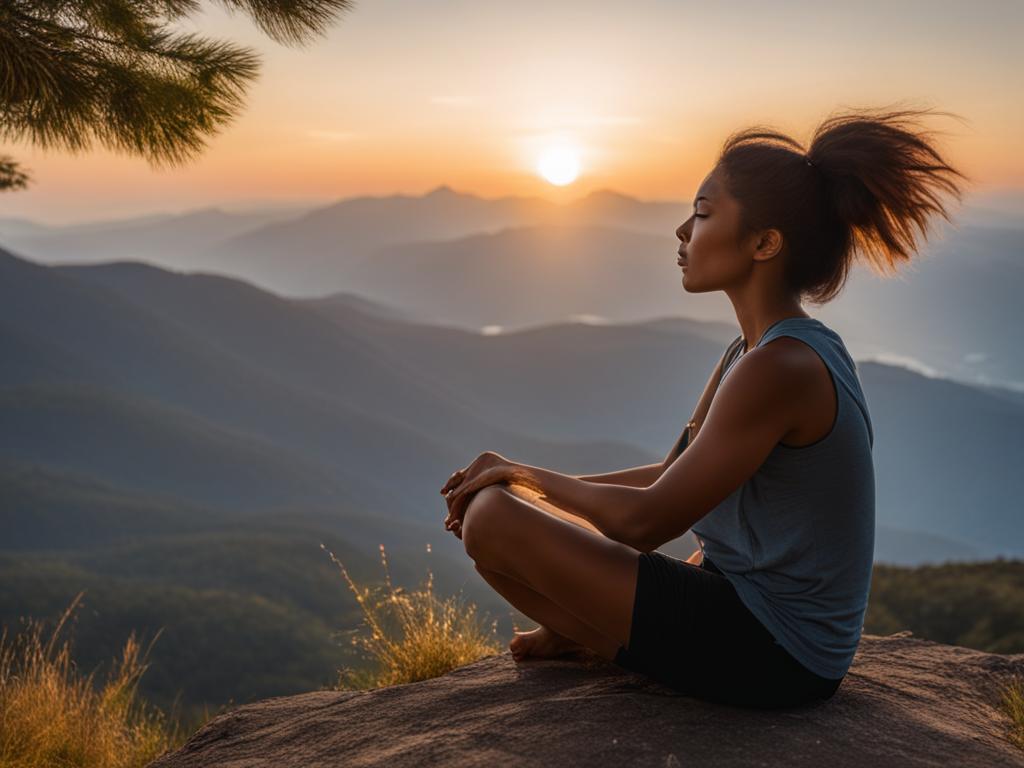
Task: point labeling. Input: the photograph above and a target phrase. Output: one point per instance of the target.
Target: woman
(774, 474)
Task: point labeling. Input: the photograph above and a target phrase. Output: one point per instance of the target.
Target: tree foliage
(11, 174)
(78, 72)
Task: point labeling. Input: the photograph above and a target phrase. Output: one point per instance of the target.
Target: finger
(449, 499)
(456, 508)
(453, 510)
(454, 525)
(454, 480)
(466, 486)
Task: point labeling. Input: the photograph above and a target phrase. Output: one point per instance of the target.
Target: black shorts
(692, 633)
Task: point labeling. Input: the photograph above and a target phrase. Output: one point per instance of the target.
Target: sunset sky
(402, 96)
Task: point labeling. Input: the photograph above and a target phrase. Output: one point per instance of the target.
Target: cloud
(587, 319)
(903, 361)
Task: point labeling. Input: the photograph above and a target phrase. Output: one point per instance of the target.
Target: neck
(754, 319)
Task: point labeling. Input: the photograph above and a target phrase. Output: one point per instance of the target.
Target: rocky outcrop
(905, 702)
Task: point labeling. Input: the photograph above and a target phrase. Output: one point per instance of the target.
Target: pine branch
(11, 175)
(291, 21)
(78, 72)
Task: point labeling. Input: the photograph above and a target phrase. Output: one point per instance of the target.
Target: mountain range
(508, 263)
(210, 391)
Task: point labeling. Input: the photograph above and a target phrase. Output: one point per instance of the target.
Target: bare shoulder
(784, 364)
(784, 376)
(804, 388)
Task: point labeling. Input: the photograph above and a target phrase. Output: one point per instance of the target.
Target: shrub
(52, 715)
(413, 635)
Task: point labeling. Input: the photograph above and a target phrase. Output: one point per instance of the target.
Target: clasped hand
(486, 469)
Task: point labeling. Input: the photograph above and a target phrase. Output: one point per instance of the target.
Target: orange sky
(404, 96)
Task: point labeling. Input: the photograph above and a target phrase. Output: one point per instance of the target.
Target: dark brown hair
(868, 179)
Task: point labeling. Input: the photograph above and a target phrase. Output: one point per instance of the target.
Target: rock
(905, 702)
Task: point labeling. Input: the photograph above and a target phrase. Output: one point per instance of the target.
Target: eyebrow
(701, 197)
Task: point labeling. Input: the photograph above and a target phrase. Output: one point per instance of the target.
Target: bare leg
(560, 631)
(545, 641)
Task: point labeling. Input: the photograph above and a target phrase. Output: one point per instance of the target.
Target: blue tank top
(797, 539)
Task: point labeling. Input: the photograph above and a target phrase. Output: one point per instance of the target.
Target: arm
(638, 477)
(547, 483)
(635, 477)
(606, 505)
(754, 408)
(607, 501)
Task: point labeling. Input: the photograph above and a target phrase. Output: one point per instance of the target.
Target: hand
(457, 498)
(485, 460)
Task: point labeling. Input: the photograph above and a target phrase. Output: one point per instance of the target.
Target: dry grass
(51, 715)
(1013, 704)
(413, 635)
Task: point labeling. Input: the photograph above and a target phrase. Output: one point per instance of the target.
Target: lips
(681, 261)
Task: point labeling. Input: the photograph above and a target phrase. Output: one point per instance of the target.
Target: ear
(768, 244)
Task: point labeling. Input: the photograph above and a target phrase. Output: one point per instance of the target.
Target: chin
(691, 287)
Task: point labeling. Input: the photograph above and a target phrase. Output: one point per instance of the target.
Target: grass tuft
(52, 715)
(413, 635)
(1013, 704)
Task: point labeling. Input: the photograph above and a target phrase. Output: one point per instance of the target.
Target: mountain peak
(609, 195)
(442, 191)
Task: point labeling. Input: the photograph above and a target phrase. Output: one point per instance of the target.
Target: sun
(559, 165)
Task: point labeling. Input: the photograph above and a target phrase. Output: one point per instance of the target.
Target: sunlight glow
(559, 165)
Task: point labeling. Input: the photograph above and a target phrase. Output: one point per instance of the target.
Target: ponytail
(867, 185)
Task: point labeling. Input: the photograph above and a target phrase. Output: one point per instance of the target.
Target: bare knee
(480, 519)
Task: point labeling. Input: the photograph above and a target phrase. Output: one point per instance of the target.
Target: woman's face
(710, 252)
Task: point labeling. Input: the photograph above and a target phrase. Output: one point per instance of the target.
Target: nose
(681, 232)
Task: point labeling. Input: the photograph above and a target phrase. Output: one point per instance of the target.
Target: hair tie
(809, 161)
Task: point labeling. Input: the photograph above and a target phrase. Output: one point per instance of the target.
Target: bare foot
(541, 643)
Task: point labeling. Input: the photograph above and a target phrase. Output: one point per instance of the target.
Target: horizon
(1005, 202)
(643, 98)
